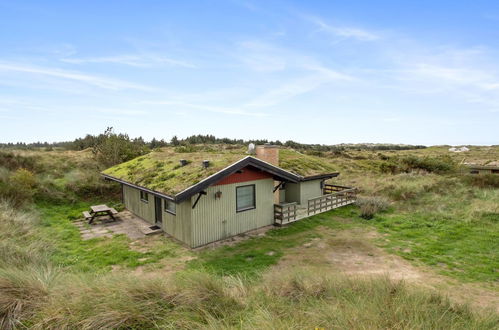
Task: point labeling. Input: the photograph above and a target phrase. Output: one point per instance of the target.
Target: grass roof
(304, 165)
(160, 170)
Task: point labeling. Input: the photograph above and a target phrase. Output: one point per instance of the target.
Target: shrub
(369, 206)
(408, 164)
(429, 164)
(19, 188)
(111, 148)
(387, 166)
(13, 161)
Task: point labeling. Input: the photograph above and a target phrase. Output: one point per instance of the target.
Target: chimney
(268, 153)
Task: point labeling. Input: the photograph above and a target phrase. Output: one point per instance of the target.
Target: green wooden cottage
(205, 196)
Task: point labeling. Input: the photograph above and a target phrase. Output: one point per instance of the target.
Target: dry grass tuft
(369, 206)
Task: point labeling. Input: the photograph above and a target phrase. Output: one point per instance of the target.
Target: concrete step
(150, 231)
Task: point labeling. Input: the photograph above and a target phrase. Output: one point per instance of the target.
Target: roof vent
(183, 162)
(205, 163)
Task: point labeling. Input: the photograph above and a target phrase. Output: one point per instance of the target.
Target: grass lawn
(250, 257)
(467, 251)
(94, 255)
(464, 250)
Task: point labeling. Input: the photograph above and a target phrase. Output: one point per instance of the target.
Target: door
(158, 213)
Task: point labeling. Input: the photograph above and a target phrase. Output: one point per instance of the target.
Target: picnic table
(99, 211)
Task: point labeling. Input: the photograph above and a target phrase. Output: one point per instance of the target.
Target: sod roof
(160, 170)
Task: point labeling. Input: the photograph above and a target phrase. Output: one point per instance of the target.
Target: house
(217, 192)
(491, 168)
(458, 149)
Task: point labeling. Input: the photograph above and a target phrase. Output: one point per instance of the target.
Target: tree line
(93, 141)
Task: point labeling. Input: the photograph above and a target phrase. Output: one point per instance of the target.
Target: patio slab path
(126, 223)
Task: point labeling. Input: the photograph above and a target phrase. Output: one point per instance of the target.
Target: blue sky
(419, 72)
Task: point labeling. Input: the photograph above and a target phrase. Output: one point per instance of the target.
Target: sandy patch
(353, 252)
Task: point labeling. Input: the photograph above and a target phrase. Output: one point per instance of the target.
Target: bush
(369, 206)
(111, 148)
(19, 187)
(14, 161)
(428, 164)
(482, 180)
(409, 164)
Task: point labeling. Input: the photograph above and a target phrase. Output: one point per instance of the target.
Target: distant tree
(174, 141)
(111, 148)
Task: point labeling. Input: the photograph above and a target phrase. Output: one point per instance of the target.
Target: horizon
(251, 140)
(419, 73)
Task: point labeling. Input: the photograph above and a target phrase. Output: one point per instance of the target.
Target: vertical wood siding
(215, 219)
(293, 193)
(131, 198)
(179, 225)
(303, 191)
(309, 189)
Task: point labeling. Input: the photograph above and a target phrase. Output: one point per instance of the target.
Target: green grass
(94, 255)
(252, 256)
(160, 169)
(465, 250)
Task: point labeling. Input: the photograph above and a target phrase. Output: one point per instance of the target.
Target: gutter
(320, 176)
(153, 192)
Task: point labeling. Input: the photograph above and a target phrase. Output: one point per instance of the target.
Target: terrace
(333, 196)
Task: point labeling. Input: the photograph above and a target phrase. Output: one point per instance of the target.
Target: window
(170, 206)
(474, 172)
(245, 198)
(144, 196)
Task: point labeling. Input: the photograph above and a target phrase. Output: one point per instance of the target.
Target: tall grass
(297, 300)
(35, 294)
(369, 206)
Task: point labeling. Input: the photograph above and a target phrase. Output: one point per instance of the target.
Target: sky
(328, 72)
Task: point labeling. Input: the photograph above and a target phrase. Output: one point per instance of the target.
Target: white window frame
(254, 199)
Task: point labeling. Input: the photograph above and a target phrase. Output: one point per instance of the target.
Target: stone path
(126, 223)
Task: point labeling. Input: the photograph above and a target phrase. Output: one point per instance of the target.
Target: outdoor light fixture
(218, 194)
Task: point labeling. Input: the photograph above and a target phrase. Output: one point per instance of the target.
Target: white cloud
(297, 87)
(457, 75)
(287, 73)
(217, 109)
(142, 61)
(344, 31)
(262, 57)
(97, 81)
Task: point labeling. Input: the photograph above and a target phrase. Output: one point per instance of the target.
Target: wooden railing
(331, 188)
(331, 201)
(284, 213)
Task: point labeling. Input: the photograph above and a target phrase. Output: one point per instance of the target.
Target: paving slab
(126, 223)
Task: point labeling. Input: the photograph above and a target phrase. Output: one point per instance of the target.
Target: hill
(431, 225)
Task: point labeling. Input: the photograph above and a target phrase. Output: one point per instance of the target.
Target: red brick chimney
(268, 153)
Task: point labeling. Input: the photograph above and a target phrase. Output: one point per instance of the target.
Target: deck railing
(332, 200)
(331, 188)
(284, 213)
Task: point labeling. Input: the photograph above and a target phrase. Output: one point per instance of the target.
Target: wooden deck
(334, 197)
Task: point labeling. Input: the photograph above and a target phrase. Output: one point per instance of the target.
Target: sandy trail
(353, 252)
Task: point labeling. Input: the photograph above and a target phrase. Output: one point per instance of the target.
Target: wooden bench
(87, 215)
(113, 211)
